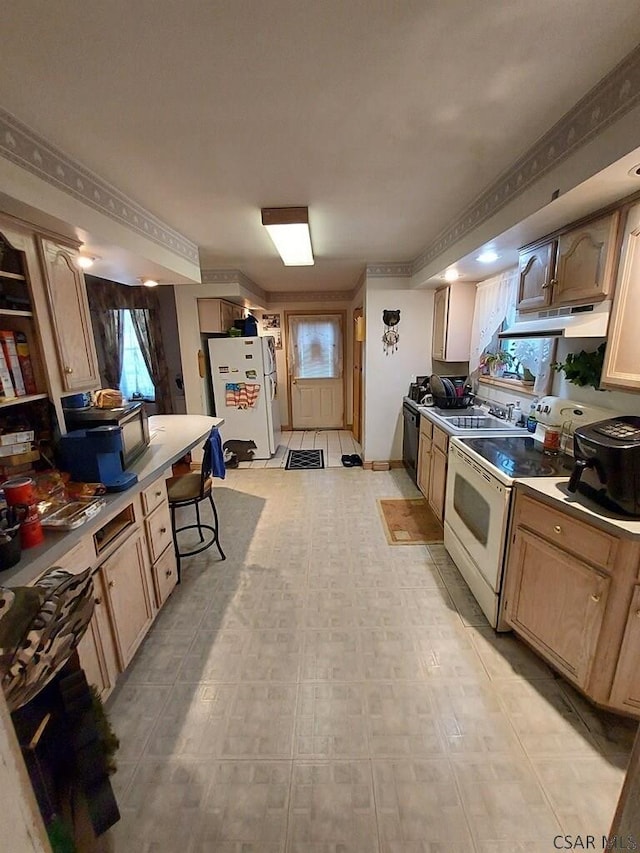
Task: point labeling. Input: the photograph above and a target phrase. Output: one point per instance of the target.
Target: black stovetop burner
(520, 456)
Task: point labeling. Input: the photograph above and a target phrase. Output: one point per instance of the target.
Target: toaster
(607, 463)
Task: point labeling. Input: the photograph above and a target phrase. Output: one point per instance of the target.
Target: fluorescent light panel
(288, 228)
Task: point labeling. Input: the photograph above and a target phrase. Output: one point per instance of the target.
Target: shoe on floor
(355, 459)
(347, 461)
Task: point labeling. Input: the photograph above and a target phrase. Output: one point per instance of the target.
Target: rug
(302, 460)
(409, 521)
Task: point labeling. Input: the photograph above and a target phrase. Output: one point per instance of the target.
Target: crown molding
(285, 296)
(614, 96)
(25, 148)
(224, 276)
(394, 269)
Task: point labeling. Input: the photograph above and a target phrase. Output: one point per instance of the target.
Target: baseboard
(396, 463)
(383, 465)
(285, 428)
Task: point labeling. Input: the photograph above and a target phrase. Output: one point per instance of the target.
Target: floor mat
(409, 521)
(299, 460)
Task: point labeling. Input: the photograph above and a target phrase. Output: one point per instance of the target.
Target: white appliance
(480, 479)
(243, 376)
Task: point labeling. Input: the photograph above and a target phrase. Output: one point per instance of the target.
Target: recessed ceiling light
(488, 256)
(86, 261)
(635, 171)
(148, 282)
(451, 275)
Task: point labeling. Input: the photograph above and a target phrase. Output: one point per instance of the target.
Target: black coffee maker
(607, 463)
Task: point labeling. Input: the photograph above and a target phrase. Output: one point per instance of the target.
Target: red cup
(19, 491)
(31, 533)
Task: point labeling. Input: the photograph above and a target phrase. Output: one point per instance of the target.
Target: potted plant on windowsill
(494, 363)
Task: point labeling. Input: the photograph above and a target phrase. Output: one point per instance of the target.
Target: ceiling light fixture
(148, 282)
(86, 261)
(488, 256)
(288, 228)
(451, 275)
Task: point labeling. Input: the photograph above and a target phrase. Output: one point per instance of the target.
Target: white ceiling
(385, 119)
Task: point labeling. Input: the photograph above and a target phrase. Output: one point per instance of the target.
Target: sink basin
(477, 422)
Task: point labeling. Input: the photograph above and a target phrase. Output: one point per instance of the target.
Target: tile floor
(324, 692)
(334, 443)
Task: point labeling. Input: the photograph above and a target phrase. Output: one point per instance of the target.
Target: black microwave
(132, 417)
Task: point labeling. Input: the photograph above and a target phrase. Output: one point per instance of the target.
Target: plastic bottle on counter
(532, 421)
(517, 416)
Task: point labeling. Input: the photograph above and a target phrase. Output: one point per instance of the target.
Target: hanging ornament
(391, 335)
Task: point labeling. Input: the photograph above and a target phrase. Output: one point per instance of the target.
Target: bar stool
(190, 490)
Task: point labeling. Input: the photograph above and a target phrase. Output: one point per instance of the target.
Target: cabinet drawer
(158, 526)
(586, 542)
(153, 495)
(440, 440)
(426, 427)
(165, 575)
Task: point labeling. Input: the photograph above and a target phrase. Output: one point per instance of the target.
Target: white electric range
(480, 479)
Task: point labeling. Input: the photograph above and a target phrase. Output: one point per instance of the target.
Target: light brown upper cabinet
(70, 319)
(586, 262)
(622, 359)
(218, 315)
(536, 276)
(452, 317)
(575, 267)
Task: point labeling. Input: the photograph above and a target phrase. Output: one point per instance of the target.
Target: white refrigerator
(243, 376)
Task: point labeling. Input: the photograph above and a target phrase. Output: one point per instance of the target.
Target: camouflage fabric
(40, 626)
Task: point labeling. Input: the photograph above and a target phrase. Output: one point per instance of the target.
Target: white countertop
(172, 436)
(590, 512)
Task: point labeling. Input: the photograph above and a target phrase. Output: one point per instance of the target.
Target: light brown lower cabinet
(625, 692)
(557, 603)
(572, 592)
(97, 649)
(437, 482)
(125, 574)
(424, 464)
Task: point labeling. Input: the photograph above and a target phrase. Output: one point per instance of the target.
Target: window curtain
(315, 346)
(494, 298)
(107, 298)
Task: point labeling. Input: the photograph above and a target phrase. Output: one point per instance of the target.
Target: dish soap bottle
(516, 416)
(532, 421)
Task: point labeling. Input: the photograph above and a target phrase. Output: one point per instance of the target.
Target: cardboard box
(24, 357)
(11, 357)
(6, 383)
(15, 449)
(17, 437)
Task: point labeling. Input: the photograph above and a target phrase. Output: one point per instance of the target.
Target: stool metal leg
(175, 540)
(216, 525)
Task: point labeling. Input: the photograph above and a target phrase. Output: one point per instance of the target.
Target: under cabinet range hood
(572, 321)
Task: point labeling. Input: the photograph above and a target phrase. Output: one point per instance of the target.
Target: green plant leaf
(583, 368)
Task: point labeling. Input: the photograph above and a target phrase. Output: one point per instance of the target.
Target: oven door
(477, 510)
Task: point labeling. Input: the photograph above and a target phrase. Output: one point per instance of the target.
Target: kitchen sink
(477, 422)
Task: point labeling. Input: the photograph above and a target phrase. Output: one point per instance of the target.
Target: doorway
(315, 369)
(358, 328)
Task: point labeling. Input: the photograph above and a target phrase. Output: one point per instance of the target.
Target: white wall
(387, 377)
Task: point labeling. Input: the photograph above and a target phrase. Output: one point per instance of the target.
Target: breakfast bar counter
(172, 436)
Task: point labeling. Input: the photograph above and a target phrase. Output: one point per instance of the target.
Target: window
(135, 379)
(316, 347)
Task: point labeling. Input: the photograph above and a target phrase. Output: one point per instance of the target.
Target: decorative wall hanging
(391, 335)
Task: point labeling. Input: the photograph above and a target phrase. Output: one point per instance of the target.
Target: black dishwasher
(411, 436)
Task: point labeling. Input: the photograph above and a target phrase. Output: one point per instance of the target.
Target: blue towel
(218, 468)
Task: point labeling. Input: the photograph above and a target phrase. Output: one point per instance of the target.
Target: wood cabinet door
(625, 691)
(536, 273)
(165, 575)
(227, 315)
(437, 482)
(126, 575)
(96, 649)
(440, 320)
(556, 602)
(424, 464)
(622, 359)
(69, 309)
(586, 262)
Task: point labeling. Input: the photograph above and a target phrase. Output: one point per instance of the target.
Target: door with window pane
(315, 363)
